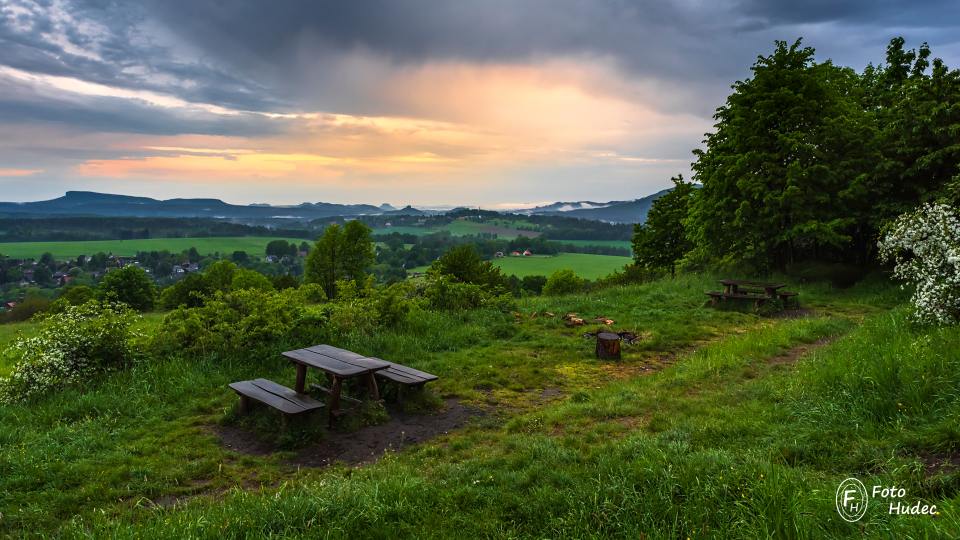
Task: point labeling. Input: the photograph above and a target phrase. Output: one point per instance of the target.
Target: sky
(498, 103)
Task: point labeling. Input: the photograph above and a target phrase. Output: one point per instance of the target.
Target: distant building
(527, 253)
(498, 254)
(514, 253)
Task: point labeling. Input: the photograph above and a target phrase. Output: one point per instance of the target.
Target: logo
(851, 499)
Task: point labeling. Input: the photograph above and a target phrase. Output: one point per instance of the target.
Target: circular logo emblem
(851, 499)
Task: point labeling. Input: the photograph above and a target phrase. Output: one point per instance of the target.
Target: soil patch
(363, 446)
(935, 463)
(369, 443)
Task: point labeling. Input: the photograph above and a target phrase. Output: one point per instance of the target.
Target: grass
(703, 430)
(504, 229)
(585, 265)
(253, 245)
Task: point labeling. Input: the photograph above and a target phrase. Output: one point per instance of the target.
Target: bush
(29, 307)
(70, 347)
(250, 279)
(563, 282)
(189, 292)
(130, 285)
(925, 247)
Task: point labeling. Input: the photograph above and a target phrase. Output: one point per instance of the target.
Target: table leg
(301, 378)
(372, 391)
(334, 404)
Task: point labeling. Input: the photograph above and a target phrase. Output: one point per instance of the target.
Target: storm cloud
(481, 101)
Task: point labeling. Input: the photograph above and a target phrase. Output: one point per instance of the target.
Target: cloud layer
(472, 102)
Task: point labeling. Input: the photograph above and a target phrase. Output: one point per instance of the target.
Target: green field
(585, 265)
(504, 229)
(253, 245)
(622, 244)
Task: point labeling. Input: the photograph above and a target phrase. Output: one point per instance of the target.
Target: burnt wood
(274, 395)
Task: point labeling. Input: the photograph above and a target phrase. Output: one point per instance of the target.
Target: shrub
(30, 306)
(70, 347)
(250, 279)
(245, 320)
(924, 245)
(130, 285)
(189, 291)
(563, 282)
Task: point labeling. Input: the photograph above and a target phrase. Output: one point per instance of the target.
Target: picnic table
(758, 291)
(732, 287)
(338, 365)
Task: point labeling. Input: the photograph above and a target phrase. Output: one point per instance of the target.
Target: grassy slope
(253, 245)
(722, 443)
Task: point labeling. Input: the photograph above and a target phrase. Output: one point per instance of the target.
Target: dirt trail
(364, 445)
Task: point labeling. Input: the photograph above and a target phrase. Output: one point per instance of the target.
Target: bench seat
(405, 375)
(274, 395)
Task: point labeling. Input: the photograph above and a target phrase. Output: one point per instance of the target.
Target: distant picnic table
(758, 291)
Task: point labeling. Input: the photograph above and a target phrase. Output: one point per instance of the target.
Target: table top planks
(339, 362)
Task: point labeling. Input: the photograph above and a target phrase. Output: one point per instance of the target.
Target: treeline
(108, 228)
(809, 161)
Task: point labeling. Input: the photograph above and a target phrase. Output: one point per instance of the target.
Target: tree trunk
(608, 346)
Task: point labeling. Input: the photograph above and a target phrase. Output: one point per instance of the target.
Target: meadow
(253, 245)
(585, 265)
(718, 423)
(504, 229)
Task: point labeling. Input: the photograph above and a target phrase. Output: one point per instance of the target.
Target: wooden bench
(274, 395)
(786, 296)
(405, 377)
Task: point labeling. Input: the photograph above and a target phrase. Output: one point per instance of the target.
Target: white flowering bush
(924, 245)
(70, 347)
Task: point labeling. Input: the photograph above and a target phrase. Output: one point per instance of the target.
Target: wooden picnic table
(732, 287)
(338, 364)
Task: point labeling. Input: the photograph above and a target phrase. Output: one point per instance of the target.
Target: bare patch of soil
(935, 463)
(363, 446)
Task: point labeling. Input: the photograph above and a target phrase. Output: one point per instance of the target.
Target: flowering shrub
(925, 247)
(70, 347)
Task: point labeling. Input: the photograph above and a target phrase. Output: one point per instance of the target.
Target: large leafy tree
(340, 253)
(464, 264)
(130, 285)
(662, 240)
(780, 154)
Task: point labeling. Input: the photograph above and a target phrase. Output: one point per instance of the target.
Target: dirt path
(364, 445)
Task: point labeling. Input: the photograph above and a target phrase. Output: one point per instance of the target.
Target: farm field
(585, 265)
(253, 245)
(502, 228)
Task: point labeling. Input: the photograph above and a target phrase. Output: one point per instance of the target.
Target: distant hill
(634, 211)
(88, 203)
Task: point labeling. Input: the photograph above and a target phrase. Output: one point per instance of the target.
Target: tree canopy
(340, 253)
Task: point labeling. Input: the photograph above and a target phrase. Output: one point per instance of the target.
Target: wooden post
(372, 390)
(608, 346)
(334, 405)
(244, 405)
(301, 378)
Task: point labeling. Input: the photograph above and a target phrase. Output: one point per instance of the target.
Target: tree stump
(608, 346)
